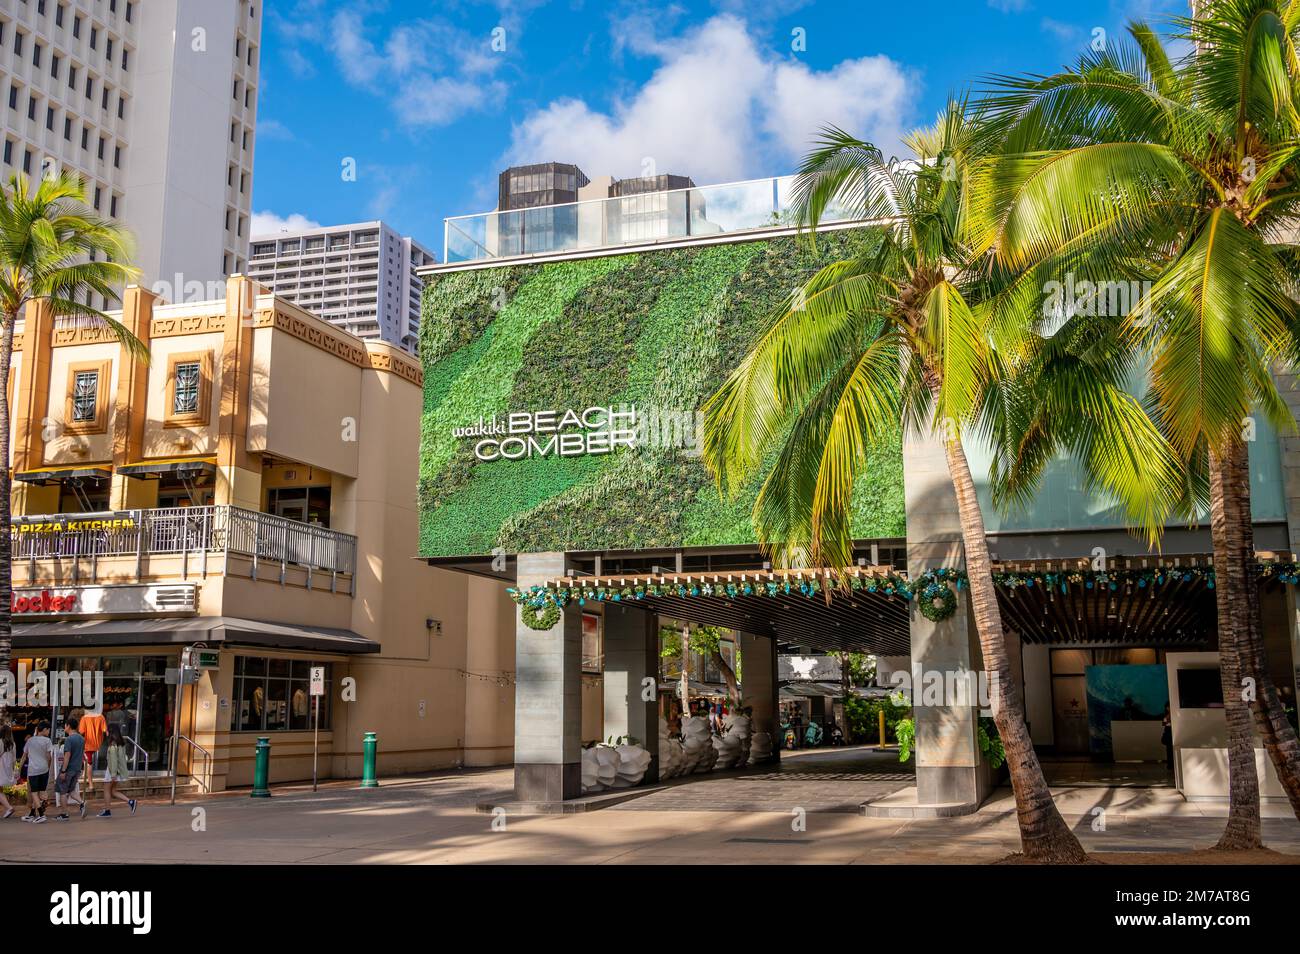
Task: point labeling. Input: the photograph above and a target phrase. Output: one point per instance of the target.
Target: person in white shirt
(38, 756)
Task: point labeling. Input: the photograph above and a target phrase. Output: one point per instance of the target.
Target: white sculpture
(633, 760)
(697, 744)
(742, 727)
(727, 746)
(606, 765)
(672, 759)
(590, 772)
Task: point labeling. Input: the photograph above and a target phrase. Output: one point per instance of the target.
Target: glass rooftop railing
(645, 218)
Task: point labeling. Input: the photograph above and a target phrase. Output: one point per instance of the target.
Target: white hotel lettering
(569, 433)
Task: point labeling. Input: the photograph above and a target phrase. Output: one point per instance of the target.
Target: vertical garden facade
(655, 332)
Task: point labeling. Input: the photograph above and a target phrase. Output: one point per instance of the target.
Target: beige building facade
(248, 492)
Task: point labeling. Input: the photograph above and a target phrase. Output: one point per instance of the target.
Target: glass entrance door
(137, 700)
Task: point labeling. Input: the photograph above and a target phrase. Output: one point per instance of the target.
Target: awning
(53, 475)
(177, 466)
(213, 630)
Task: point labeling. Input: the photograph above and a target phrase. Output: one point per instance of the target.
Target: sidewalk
(432, 820)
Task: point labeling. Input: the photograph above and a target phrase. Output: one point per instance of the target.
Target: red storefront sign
(46, 602)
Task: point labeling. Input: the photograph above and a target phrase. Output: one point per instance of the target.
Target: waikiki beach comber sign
(518, 435)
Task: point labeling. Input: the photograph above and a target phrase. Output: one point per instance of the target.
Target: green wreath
(938, 602)
(547, 618)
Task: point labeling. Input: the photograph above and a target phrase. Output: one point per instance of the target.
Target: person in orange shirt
(92, 727)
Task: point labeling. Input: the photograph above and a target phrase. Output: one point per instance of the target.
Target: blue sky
(432, 99)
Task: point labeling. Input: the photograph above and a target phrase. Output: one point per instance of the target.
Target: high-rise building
(154, 103)
(552, 205)
(360, 277)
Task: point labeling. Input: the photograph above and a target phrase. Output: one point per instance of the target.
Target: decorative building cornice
(407, 370)
(83, 335)
(168, 327)
(349, 349)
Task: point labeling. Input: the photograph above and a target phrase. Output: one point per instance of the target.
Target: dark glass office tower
(537, 206)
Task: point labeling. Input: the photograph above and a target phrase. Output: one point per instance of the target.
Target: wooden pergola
(833, 618)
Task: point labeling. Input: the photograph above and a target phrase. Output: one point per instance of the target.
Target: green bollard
(369, 745)
(262, 768)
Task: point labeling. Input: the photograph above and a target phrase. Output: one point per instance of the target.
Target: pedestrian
(115, 773)
(74, 758)
(91, 726)
(38, 753)
(7, 774)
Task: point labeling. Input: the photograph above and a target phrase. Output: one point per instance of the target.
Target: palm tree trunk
(6, 539)
(1270, 718)
(1044, 835)
(728, 676)
(1233, 579)
(686, 673)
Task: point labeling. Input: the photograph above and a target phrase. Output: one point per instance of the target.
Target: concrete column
(239, 474)
(548, 695)
(947, 754)
(760, 687)
(632, 658)
(128, 493)
(1288, 385)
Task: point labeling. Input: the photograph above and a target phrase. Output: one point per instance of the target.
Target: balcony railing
(638, 219)
(263, 537)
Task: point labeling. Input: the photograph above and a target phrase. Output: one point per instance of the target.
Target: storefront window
(274, 695)
(136, 699)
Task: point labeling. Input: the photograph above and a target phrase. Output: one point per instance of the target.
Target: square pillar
(760, 686)
(548, 695)
(631, 679)
(947, 752)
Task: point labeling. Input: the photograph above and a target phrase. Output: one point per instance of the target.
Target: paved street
(433, 820)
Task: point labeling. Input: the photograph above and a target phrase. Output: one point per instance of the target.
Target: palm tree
(1133, 162)
(904, 333)
(55, 250)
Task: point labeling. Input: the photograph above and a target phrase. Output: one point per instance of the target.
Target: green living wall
(652, 330)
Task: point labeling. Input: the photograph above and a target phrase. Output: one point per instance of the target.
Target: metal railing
(207, 767)
(141, 749)
(183, 530)
(636, 219)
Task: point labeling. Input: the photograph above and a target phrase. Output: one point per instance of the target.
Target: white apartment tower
(154, 102)
(361, 277)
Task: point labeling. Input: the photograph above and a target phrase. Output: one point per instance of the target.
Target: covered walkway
(816, 780)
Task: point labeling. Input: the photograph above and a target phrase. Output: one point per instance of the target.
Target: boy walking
(74, 758)
(38, 753)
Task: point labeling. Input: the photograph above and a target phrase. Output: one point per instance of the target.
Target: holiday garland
(933, 588)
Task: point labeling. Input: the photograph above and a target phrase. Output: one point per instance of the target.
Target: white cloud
(868, 96)
(274, 129)
(440, 72)
(1065, 32)
(268, 224)
(436, 102)
(719, 108)
(1009, 6)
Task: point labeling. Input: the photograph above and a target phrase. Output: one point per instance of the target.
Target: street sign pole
(317, 690)
(176, 719)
